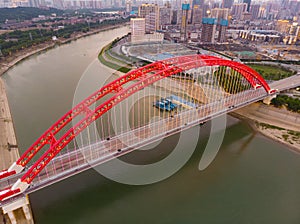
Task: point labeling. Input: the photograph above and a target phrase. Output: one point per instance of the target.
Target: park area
(272, 72)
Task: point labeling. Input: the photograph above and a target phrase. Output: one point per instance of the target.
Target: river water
(251, 180)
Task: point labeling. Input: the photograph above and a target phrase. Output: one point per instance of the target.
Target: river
(251, 180)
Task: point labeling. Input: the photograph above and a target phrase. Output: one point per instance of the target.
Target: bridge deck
(69, 164)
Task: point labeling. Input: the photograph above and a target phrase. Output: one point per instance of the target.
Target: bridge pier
(18, 212)
(269, 99)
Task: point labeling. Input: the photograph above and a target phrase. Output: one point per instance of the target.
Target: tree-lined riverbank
(19, 56)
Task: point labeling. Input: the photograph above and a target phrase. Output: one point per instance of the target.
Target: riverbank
(9, 62)
(277, 124)
(9, 153)
(8, 143)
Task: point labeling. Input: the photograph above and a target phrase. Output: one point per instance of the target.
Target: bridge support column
(12, 217)
(27, 212)
(268, 99)
(18, 211)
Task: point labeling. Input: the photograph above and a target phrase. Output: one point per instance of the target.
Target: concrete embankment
(18, 213)
(8, 143)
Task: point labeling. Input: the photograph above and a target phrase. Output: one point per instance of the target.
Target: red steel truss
(143, 77)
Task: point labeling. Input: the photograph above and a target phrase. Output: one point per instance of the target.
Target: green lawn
(272, 72)
(113, 63)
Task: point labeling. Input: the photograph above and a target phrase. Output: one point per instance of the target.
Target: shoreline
(9, 152)
(257, 127)
(27, 53)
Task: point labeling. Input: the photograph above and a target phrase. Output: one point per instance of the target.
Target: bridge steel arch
(144, 77)
(48, 137)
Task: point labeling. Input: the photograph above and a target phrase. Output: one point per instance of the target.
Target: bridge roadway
(287, 83)
(77, 161)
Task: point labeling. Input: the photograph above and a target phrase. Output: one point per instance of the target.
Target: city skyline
(122, 3)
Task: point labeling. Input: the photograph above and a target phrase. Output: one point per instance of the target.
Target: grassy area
(112, 65)
(288, 136)
(272, 72)
(112, 62)
(268, 126)
(294, 133)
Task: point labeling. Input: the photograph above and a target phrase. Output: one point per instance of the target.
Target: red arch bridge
(179, 93)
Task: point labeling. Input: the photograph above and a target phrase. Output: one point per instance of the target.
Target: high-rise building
(117, 3)
(137, 26)
(227, 4)
(197, 15)
(220, 13)
(179, 17)
(200, 3)
(34, 3)
(58, 4)
(238, 9)
(208, 30)
(128, 6)
(206, 10)
(294, 6)
(145, 9)
(223, 24)
(284, 3)
(165, 16)
(196, 12)
(248, 4)
(174, 17)
(254, 9)
(151, 22)
(151, 14)
(184, 20)
(221, 16)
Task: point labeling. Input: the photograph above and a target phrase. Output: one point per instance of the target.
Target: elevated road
(287, 83)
